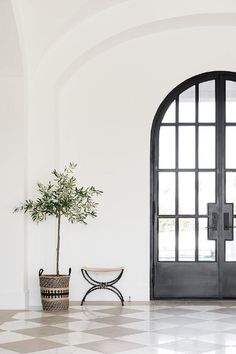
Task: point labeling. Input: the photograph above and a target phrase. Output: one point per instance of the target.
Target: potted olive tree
(60, 198)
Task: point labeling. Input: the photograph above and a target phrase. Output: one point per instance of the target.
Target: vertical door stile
(220, 119)
(196, 174)
(177, 181)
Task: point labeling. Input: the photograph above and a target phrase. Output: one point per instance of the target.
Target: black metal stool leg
(117, 292)
(95, 287)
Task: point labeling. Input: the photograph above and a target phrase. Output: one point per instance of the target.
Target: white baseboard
(14, 301)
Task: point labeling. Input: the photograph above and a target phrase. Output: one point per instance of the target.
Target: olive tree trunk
(58, 241)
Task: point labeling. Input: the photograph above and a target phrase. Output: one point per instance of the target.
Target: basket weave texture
(54, 292)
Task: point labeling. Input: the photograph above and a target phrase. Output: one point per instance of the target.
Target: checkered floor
(159, 327)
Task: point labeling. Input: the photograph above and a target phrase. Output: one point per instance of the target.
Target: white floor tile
(66, 350)
(213, 325)
(8, 337)
(147, 326)
(81, 325)
(200, 307)
(149, 338)
(208, 316)
(150, 350)
(15, 325)
(28, 315)
(74, 338)
(225, 339)
(87, 315)
(147, 315)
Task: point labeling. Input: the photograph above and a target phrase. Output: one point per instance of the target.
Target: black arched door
(193, 190)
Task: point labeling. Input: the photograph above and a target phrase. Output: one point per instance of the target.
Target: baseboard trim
(12, 301)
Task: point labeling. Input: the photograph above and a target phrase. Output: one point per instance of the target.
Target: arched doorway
(193, 190)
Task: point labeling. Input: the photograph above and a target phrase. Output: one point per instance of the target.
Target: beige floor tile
(116, 320)
(7, 337)
(53, 320)
(74, 338)
(113, 331)
(17, 324)
(82, 325)
(31, 346)
(28, 315)
(119, 311)
(110, 346)
(67, 350)
(5, 351)
(43, 331)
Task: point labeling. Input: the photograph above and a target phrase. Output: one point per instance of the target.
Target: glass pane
(186, 147)
(187, 105)
(186, 193)
(166, 193)
(230, 143)
(207, 102)
(230, 101)
(206, 181)
(167, 147)
(206, 147)
(230, 248)
(231, 188)
(186, 239)
(206, 248)
(166, 240)
(169, 116)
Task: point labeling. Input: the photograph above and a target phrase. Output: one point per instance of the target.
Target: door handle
(214, 221)
(227, 226)
(226, 221)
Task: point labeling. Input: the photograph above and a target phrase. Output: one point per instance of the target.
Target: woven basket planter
(54, 291)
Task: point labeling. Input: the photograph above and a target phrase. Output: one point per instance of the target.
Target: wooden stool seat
(101, 270)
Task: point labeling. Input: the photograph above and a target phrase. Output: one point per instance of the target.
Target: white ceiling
(41, 23)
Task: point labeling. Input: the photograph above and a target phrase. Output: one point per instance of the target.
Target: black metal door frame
(222, 208)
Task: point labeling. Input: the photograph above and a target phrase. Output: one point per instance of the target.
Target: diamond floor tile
(116, 320)
(7, 337)
(150, 338)
(114, 331)
(67, 350)
(43, 331)
(74, 338)
(184, 332)
(30, 346)
(110, 346)
(15, 325)
(190, 347)
(159, 327)
(81, 325)
(225, 339)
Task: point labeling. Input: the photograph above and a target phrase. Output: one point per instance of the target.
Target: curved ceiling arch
(199, 20)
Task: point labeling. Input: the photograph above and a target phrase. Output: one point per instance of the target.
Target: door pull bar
(226, 222)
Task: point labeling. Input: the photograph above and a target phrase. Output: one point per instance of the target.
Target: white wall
(92, 94)
(13, 288)
(103, 116)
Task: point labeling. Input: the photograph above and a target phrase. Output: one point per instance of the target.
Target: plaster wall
(103, 115)
(95, 78)
(13, 293)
